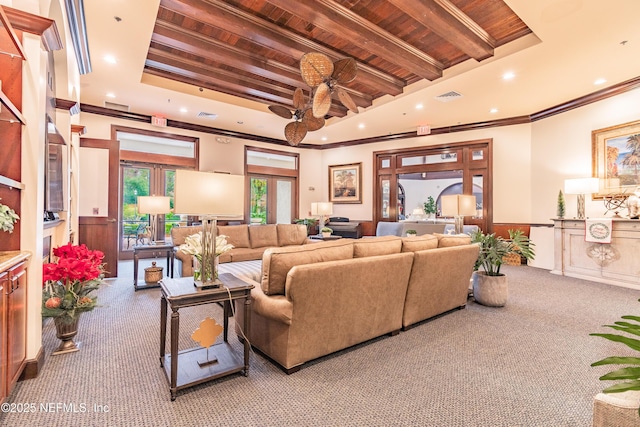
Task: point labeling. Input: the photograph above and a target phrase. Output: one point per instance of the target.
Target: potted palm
(429, 207)
(490, 285)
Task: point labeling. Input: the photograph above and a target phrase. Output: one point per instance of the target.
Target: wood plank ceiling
(252, 48)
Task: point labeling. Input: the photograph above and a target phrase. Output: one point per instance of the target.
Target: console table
(180, 293)
(613, 263)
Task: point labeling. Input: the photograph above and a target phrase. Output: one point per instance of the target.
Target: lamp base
(199, 284)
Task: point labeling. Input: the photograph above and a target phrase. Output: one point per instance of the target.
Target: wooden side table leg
(245, 329)
(175, 327)
(226, 320)
(163, 328)
(135, 270)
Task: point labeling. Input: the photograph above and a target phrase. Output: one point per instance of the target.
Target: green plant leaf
(622, 387)
(636, 318)
(628, 373)
(629, 342)
(634, 331)
(618, 360)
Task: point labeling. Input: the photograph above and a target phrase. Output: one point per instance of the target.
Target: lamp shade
(153, 205)
(581, 185)
(458, 205)
(207, 193)
(322, 208)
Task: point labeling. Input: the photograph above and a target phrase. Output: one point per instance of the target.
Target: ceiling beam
(201, 73)
(174, 37)
(219, 14)
(338, 20)
(450, 23)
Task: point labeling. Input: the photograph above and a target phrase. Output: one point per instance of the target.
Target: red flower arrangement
(68, 282)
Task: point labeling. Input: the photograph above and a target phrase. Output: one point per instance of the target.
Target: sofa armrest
(187, 263)
(275, 307)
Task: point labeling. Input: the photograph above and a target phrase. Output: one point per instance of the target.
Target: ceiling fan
(324, 77)
(304, 120)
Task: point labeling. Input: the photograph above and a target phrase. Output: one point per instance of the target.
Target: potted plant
(193, 246)
(430, 207)
(412, 233)
(8, 217)
(311, 224)
(630, 374)
(326, 231)
(489, 285)
(67, 286)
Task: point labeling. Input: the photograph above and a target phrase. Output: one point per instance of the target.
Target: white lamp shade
(581, 185)
(458, 205)
(209, 194)
(154, 205)
(322, 208)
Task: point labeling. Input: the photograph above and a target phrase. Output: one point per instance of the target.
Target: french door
(272, 199)
(143, 179)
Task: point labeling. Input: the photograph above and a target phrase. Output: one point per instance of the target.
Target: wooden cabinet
(13, 318)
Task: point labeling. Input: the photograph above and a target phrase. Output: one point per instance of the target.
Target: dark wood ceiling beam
(450, 23)
(198, 71)
(175, 37)
(344, 23)
(219, 14)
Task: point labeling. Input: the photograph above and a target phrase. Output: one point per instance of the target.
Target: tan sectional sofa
(317, 299)
(249, 241)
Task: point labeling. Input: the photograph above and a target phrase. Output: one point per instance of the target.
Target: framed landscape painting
(616, 158)
(345, 183)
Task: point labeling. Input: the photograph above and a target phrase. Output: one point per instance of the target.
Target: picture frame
(345, 183)
(615, 157)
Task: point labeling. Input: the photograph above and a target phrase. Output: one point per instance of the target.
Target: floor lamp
(581, 186)
(211, 196)
(458, 206)
(154, 206)
(322, 209)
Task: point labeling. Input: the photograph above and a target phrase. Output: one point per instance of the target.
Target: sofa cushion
(276, 262)
(384, 245)
(178, 234)
(263, 236)
(448, 240)
(419, 243)
(246, 254)
(291, 234)
(237, 235)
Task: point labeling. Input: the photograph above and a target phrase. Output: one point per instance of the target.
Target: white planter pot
(325, 234)
(491, 291)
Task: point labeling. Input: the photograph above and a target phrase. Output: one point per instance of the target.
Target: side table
(180, 293)
(138, 249)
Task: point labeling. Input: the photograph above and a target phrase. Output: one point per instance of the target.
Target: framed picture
(616, 158)
(345, 183)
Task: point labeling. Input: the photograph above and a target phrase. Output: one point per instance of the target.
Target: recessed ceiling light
(110, 59)
(324, 138)
(508, 75)
(361, 126)
(493, 110)
(600, 81)
(419, 107)
(111, 95)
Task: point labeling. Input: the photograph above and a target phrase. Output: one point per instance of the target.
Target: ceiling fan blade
(313, 123)
(295, 132)
(345, 70)
(322, 100)
(346, 99)
(281, 111)
(315, 68)
(298, 99)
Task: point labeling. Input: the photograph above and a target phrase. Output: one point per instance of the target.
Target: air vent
(114, 106)
(449, 96)
(209, 116)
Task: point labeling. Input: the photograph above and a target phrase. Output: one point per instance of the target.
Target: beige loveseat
(317, 299)
(249, 241)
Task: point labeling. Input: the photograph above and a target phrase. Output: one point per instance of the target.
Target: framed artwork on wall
(616, 158)
(345, 183)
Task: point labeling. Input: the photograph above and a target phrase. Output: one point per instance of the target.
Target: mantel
(613, 263)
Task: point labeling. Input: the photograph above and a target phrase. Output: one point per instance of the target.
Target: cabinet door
(17, 323)
(4, 286)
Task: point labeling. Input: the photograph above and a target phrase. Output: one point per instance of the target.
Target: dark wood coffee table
(180, 293)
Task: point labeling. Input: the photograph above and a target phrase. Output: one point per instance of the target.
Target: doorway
(272, 199)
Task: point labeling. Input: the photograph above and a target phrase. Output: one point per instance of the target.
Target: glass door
(272, 199)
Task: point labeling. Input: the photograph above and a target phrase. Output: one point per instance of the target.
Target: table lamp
(458, 206)
(322, 209)
(211, 196)
(154, 206)
(581, 186)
